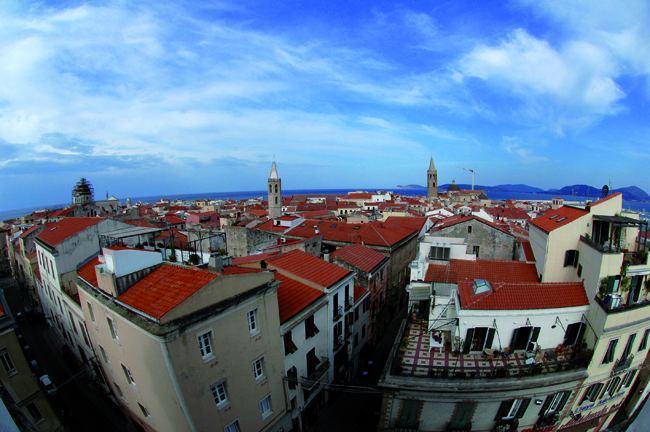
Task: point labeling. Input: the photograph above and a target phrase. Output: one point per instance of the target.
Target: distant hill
(411, 186)
(630, 193)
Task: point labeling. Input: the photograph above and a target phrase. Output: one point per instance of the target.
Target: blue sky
(147, 98)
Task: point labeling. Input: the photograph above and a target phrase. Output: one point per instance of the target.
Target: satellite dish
(605, 191)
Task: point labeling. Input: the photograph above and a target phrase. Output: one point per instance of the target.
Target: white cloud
(513, 146)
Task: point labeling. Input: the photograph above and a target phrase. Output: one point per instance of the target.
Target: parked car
(48, 387)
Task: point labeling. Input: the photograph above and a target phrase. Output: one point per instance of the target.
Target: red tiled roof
(528, 250)
(313, 213)
(459, 218)
(416, 223)
(517, 296)
(240, 270)
(254, 258)
(63, 212)
(607, 198)
(57, 232)
(310, 268)
(31, 256)
(356, 196)
(140, 223)
(358, 292)
(372, 233)
(259, 213)
(29, 231)
(554, 219)
(491, 270)
(359, 256)
(87, 271)
(294, 296)
(165, 288)
(507, 212)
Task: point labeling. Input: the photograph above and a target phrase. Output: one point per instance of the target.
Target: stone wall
(492, 242)
(242, 241)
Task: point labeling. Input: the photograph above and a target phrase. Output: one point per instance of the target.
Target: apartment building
(599, 244)
(186, 349)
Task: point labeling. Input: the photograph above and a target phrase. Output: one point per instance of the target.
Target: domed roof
(453, 187)
(482, 196)
(82, 188)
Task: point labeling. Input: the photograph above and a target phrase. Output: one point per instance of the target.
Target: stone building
(432, 180)
(275, 193)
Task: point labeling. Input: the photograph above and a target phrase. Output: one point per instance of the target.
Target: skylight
(553, 217)
(333, 226)
(481, 286)
(560, 220)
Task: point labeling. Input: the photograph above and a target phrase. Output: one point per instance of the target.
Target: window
(74, 327)
(265, 406)
(219, 393)
(310, 327)
(475, 250)
(554, 403)
(356, 313)
(611, 349)
(289, 346)
(234, 426)
(205, 345)
(439, 253)
(104, 354)
(7, 363)
(644, 340)
(258, 368)
(579, 270)
(252, 321)
(84, 332)
(91, 313)
(512, 409)
(145, 411)
(469, 229)
(292, 378)
(34, 412)
(363, 331)
(356, 340)
(112, 328)
(627, 380)
(118, 389)
(612, 386)
(127, 374)
(571, 258)
(628, 346)
(312, 362)
(592, 392)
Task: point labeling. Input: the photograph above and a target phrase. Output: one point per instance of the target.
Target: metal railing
(622, 364)
(338, 312)
(313, 379)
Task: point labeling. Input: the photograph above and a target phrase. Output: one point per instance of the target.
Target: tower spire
(432, 167)
(274, 171)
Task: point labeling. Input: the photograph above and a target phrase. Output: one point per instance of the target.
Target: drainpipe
(175, 384)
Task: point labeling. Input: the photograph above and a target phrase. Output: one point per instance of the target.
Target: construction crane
(473, 172)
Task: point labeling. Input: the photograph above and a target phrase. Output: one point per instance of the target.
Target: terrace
(414, 359)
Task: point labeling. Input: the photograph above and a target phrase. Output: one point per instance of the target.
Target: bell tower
(432, 180)
(275, 193)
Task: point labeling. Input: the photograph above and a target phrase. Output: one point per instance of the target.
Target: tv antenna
(473, 172)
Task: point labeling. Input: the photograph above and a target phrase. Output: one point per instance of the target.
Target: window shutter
(568, 258)
(503, 410)
(489, 339)
(610, 284)
(565, 398)
(523, 407)
(535, 334)
(596, 395)
(547, 402)
(515, 335)
(636, 287)
(468, 341)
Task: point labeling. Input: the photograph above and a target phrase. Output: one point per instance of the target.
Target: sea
(637, 206)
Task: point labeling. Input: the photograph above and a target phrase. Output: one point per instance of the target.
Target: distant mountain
(411, 186)
(517, 188)
(630, 193)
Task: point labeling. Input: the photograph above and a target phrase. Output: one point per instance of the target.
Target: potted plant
(458, 345)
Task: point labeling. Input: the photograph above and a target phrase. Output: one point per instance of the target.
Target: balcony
(308, 383)
(602, 248)
(415, 360)
(622, 364)
(349, 303)
(406, 426)
(338, 343)
(614, 307)
(338, 312)
(348, 331)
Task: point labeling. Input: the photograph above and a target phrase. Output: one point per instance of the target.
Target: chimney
(215, 264)
(326, 257)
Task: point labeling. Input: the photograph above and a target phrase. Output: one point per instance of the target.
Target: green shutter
(503, 410)
(468, 340)
(513, 341)
(523, 407)
(490, 338)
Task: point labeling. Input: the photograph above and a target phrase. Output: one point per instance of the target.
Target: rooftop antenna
(473, 172)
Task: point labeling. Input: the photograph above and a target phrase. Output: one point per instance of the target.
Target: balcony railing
(338, 312)
(601, 248)
(636, 258)
(406, 426)
(338, 343)
(614, 307)
(349, 303)
(622, 364)
(314, 378)
(348, 331)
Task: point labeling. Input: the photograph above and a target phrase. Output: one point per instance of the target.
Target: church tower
(275, 194)
(432, 180)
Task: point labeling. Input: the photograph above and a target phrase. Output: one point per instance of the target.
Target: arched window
(276, 190)
(270, 189)
(276, 199)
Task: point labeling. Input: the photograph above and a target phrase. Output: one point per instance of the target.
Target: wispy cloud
(513, 145)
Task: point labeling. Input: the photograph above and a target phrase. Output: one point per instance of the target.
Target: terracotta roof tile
(517, 296)
(294, 296)
(528, 250)
(140, 223)
(359, 256)
(29, 231)
(254, 258)
(165, 288)
(554, 219)
(371, 233)
(491, 270)
(607, 198)
(57, 232)
(411, 222)
(310, 268)
(87, 271)
(358, 292)
(240, 270)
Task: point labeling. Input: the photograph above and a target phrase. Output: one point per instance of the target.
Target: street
(84, 407)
